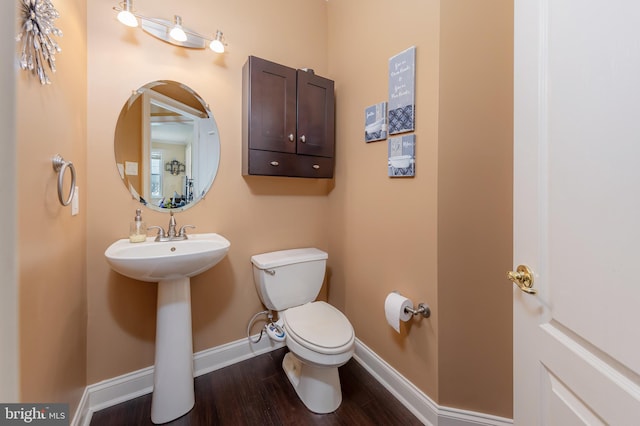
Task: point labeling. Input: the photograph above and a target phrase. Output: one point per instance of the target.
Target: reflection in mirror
(167, 146)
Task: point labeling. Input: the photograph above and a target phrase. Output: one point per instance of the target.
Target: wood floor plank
(257, 392)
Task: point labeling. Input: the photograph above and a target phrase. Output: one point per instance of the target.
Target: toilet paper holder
(423, 310)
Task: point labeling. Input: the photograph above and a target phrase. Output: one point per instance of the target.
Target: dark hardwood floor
(257, 392)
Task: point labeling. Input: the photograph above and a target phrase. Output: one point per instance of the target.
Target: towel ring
(61, 166)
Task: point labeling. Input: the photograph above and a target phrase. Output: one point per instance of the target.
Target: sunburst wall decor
(37, 36)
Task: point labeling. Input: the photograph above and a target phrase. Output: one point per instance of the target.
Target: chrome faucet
(171, 231)
(171, 234)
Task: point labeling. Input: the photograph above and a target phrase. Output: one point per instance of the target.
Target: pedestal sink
(170, 264)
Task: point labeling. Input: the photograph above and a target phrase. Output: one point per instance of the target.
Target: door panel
(566, 407)
(272, 106)
(577, 212)
(315, 115)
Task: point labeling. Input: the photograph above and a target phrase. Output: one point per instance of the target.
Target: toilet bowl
(319, 337)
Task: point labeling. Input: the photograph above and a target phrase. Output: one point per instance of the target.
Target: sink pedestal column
(173, 392)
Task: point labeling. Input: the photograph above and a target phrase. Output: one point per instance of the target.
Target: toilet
(319, 337)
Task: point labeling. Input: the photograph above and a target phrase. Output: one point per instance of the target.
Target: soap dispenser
(138, 229)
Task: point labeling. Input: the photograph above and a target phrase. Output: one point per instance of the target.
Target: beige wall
(383, 231)
(51, 243)
(416, 235)
(443, 237)
(256, 214)
(475, 205)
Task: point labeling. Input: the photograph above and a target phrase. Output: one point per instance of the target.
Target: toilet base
(317, 387)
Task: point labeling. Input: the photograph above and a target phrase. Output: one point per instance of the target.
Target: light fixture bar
(169, 31)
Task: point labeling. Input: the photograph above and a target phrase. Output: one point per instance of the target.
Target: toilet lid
(319, 324)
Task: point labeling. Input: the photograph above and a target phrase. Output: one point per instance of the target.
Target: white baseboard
(416, 401)
(132, 385)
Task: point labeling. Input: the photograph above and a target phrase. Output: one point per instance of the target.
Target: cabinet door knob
(291, 137)
(316, 166)
(274, 163)
(303, 139)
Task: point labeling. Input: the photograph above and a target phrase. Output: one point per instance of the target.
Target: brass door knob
(523, 277)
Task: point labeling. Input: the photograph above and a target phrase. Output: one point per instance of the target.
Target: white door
(577, 212)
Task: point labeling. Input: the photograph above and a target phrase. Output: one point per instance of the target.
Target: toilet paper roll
(394, 309)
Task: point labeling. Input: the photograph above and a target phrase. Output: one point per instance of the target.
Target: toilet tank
(289, 278)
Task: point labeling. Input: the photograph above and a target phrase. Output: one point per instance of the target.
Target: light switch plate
(75, 204)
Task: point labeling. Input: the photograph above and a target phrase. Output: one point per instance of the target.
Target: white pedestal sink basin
(170, 264)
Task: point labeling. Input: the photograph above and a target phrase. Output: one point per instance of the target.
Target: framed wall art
(402, 156)
(402, 75)
(375, 122)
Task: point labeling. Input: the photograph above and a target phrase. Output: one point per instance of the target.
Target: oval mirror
(167, 147)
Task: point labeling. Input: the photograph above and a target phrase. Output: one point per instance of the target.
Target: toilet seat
(319, 327)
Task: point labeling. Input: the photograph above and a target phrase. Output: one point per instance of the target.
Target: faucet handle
(160, 229)
(183, 231)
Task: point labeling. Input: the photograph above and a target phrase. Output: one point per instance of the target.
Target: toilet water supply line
(253, 319)
(274, 330)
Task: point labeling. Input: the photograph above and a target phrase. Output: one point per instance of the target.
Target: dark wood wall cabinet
(288, 121)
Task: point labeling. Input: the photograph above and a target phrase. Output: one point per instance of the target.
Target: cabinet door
(272, 106)
(315, 115)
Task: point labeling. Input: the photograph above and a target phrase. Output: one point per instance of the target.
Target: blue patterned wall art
(402, 76)
(402, 156)
(375, 122)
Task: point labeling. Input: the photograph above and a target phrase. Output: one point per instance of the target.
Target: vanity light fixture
(170, 31)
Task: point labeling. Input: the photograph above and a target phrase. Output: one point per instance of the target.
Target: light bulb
(216, 44)
(126, 16)
(177, 33)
